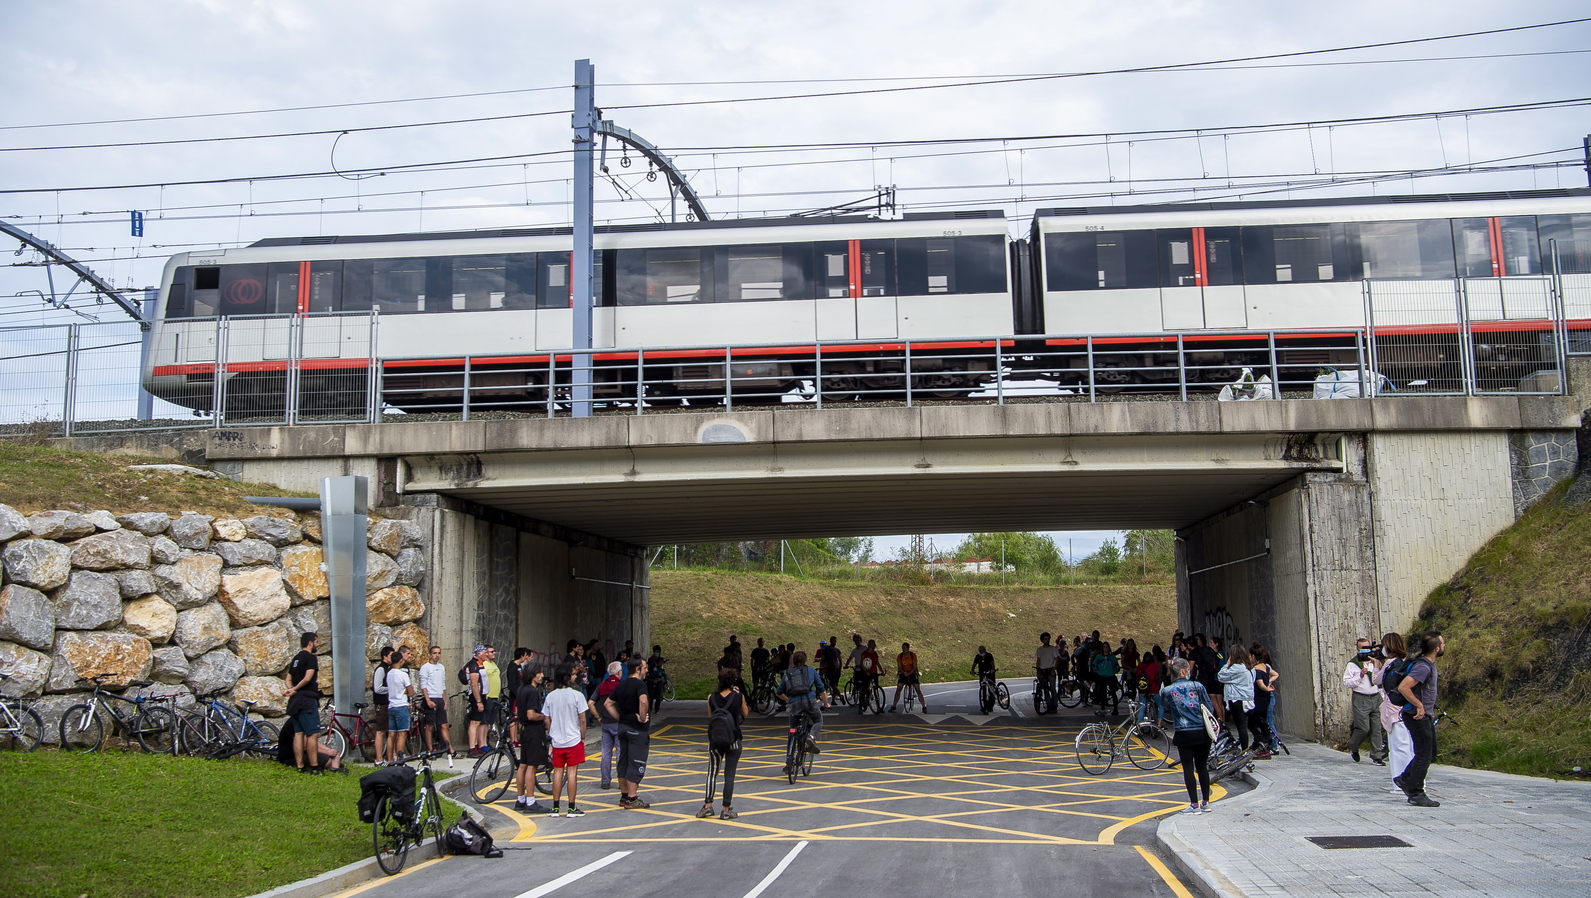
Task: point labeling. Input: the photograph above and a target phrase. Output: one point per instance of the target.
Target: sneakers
(605, 786)
(1193, 809)
(575, 812)
(539, 808)
(1204, 807)
(812, 746)
(554, 812)
(727, 814)
(1355, 755)
(634, 804)
(1262, 755)
(1398, 781)
(892, 709)
(1378, 762)
(1421, 800)
(705, 812)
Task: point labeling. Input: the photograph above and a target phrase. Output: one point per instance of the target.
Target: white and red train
(953, 284)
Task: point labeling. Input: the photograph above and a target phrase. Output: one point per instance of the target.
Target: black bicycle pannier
(396, 783)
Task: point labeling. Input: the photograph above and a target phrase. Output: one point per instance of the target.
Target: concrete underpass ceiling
(768, 508)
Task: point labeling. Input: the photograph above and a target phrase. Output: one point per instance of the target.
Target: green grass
(112, 825)
(1517, 671)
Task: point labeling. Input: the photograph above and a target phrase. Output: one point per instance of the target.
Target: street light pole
(585, 122)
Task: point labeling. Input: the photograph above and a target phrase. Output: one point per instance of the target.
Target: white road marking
(573, 875)
(768, 880)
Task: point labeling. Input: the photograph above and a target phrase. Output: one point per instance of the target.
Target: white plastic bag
(1247, 388)
(1334, 384)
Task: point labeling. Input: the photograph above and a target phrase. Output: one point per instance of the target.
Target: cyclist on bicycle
(983, 664)
(760, 663)
(803, 689)
(908, 676)
(1044, 663)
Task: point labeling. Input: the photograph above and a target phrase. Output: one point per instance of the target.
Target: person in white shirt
(565, 710)
(378, 701)
(1044, 662)
(399, 690)
(433, 687)
(1360, 678)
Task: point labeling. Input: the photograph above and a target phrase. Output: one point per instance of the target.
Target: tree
(1107, 560)
(1150, 552)
(850, 548)
(1026, 552)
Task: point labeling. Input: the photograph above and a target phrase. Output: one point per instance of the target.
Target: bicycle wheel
(1241, 761)
(878, 698)
(1148, 746)
(154, 728)
(668, 690)
(1071, 693)
(265, 735)
(365, 734)
(1095, 749)
(985, 698)
(544, 780)
(190, 734)
(492, 775)
(806, 763)
(760, 697)
(1002, 696)
(334, 739)
(434, 826)
(390, 837)
(27, 733)
(81, 729)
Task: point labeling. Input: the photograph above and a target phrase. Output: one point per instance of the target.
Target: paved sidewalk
(1494, 835)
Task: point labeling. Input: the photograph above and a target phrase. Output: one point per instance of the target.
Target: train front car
(320, 323)
(1231, 277)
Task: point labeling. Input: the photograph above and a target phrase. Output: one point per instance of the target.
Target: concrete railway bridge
(1301, 523)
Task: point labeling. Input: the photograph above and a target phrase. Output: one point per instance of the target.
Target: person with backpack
(1149, 680)
(804, 693)
(608, 754)
(1106, 685)
(473, 675)
(908, 676)
(1416, 685)
(726, 708)
(1400, 748)
(378, 704)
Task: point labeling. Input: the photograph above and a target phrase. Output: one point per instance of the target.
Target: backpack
(1142, 684)
(464, 674)
(469, 837)
(721, 724)
(806, 688)
(1392, 677)
(396, 784)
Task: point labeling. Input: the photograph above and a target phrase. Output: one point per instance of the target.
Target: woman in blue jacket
(1183, 699)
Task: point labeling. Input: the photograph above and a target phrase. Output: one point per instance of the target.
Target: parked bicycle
(146, 721)
(20, 726)
(398, 829)
(223, 731)
(992, 692)
(797, 756)
(764, 695)
(1147, 745)
(866, 693)
(343, 732)
(1227, 757)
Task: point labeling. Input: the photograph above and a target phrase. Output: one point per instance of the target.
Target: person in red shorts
(565, 710)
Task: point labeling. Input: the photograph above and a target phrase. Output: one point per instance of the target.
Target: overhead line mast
(55, 256)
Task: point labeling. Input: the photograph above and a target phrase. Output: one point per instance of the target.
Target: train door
(877, 303)
(1200, 279)
(835, 302)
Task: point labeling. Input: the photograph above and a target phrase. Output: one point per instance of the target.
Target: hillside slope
(694, 613)
(1517, 671)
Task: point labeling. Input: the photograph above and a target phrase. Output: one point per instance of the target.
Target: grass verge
(36, 478)
(111, 825)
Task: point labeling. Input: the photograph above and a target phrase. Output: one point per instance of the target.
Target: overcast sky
(80, 62)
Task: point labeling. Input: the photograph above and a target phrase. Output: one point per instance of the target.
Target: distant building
(966, 566)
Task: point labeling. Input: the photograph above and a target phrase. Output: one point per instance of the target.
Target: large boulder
(411, 567)
(151, 617)
(255, 596)
(123, 656)
(311, 525)
(29, 670)
(306, 582)
(170, 665)
(103, 520)
(59, 525)
(39, 563)
(12, 523)
(412, 535)
(314, 618)
(276, 531)
(201, 629)
(376, 636)
(149, 523)
(111, 551)
(264, 692)
(214, 671)
(136, 583)
(50, 709)
(163, 551)
(415, 637)
(246, 552)
(380, 572)
(265, 650)
(229, 530)
(394, 605)
(192, 581)
(27, 616)
(385, 537)
(192, 531)
(88, 601)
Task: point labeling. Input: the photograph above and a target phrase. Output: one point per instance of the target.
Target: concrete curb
(1191, 863)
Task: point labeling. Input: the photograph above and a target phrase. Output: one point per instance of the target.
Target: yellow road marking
(383, 880)
(527, 826)
(1177, 887)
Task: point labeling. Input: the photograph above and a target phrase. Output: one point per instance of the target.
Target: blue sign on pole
(138, 224)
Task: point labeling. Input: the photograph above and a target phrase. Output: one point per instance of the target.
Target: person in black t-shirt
(983, 662)
(513, 678)
(630, 705)
(760, 659)
(532, 735)
(303, 704)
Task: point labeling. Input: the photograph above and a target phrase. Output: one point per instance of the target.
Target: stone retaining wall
(193, 603)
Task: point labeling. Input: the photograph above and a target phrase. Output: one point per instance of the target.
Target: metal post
(1276, 371)
(999, 373)
(1372, 363)
(1182, 369)
(376, 373)
(1091, 397)
(817, 375)
(552, 381)
(295, 338)
(464, 398)
(1560, 318)
(1466, 341)
(729, 378)
(343, 526)
(69, 398)
(1359, 357)
(146, 399)
(908, 374)
(218, 387)
(640, 381)
(585, 120)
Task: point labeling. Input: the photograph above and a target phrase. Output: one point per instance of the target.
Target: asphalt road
(940, 804)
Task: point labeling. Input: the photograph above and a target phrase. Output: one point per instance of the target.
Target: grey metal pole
(69, 398)
(343, 525)
(585, 121)
(146, 399)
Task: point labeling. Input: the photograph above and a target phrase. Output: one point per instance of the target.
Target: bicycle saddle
(247, 701)
(360, 706)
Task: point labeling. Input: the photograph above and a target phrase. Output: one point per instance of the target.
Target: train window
(878, 267)
(388, 286)
(941, 265)
(1095, 260)
(483, 283)
(206, 292)
(833, 268)
(281, 288)
(1223, 256)
(177, 296)
(553, 287)
(1404, 249)
(932, 265)
(325, 286)
(980, 264)
(1176, 258)
(1472, 247)
(662, 276)
(1573, 233)
(1521, 250)
(766, 271)
(1283, 254)
(243, 290)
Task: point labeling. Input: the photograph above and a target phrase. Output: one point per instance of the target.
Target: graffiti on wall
(1219, 622)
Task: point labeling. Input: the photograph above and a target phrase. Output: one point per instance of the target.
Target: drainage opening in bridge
(1331, 842)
